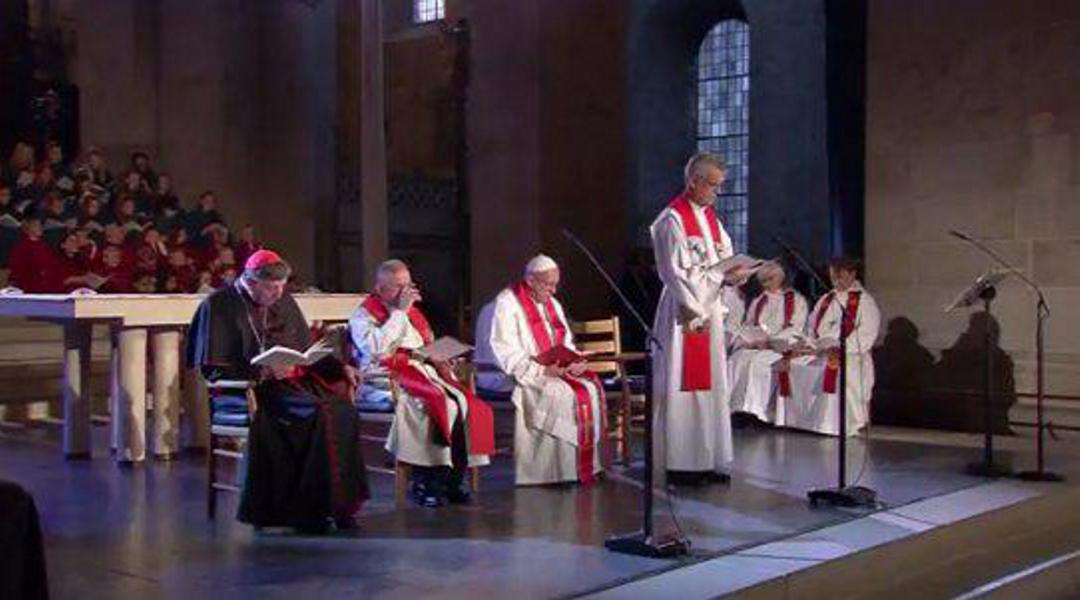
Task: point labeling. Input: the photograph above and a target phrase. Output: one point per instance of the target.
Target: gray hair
(703, 158)
(278, 271)
(389, 267)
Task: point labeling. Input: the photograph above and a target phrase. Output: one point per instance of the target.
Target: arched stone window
(723, 117)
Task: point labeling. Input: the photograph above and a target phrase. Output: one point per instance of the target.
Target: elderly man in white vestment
(780, 313)
(691, 417)
(439, 426)
(560, 413)
(813, 378)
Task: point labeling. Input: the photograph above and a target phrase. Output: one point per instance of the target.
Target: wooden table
(134, 319)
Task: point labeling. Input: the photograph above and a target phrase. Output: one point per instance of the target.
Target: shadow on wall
(913, 390)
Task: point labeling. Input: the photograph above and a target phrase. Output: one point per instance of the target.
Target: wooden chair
(226, 440)
(601, 337)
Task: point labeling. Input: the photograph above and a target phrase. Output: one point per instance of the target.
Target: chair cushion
(496, 396)
(374, 400)
(229, 404)
(637, 384)
(230, 419)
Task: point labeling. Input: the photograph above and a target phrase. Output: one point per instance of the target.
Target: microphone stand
(643, 542)
(1042, 312)
(842, 494)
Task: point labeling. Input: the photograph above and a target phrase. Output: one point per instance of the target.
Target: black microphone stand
(842, 494)
(1042, 312)
(643, 542)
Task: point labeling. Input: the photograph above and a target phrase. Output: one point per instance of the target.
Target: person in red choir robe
(150, 254)
(32, 260)
(180, 268)
(71, 268)
(119, 277)
(305, 468)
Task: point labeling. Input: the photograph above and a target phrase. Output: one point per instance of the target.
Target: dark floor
(134, 532)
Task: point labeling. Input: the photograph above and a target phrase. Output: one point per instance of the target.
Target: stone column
(76, 390)
(165, 428)
(361, 162)
(129, 403)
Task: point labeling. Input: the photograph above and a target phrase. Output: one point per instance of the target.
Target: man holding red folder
(691, 416)
(560, 418)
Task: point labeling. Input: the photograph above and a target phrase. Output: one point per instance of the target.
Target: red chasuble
(544, 345)
(480, 419)
(697, 354)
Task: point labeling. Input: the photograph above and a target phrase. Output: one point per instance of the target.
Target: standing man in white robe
(814, 377)
(560, 417)
(439, 426)
(691, 415)
(779, 312)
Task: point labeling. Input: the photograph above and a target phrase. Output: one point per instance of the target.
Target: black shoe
(425, 496)
(317, 528)
(346, 523)
(686, 478)
(711, 477)
(458, 495)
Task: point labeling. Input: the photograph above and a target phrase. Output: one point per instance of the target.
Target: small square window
(426, 11)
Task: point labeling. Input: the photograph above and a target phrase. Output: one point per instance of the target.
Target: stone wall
(973, 122)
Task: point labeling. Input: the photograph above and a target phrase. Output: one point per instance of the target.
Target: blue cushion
(637, 384)
(229, 404)
(375, 400)
(230, 419)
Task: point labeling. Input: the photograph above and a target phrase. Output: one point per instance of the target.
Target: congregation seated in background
(65, 226)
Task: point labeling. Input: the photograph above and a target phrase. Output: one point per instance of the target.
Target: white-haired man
(439, 426)
(779, 312)
(691, 416)
(560, 416)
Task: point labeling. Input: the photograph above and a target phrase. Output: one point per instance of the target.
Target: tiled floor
(116, 533)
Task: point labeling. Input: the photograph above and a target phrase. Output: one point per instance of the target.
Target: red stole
(583, 410)
(480, 424)
(696, 347)
(784, 374)
(847, 326)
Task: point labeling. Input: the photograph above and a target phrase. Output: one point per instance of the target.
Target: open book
(280, 356)
(798, 342)
(751, 263)
(95, 281)
(560, 356)
(443, 349)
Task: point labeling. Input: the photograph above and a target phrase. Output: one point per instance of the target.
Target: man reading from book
(305, 469)
(560, 417)
(439, 426)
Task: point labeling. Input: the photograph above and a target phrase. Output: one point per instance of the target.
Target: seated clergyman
(439, 426)
(812, 379)
(305, 469)
(560, 416)
(779, 312)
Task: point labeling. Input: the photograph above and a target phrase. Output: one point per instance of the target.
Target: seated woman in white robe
(779, 312)
(560, 414)
(813, 377)
(439, 426)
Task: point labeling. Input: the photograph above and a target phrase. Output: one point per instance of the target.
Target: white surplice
(545, 421)
(753, 380)
(735, 302)
(691, 430)
(810, 407)
(410, 439)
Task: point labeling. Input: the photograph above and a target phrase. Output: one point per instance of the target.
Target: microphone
(960, 235)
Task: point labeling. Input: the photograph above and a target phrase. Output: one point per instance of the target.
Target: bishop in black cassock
(305, 469)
